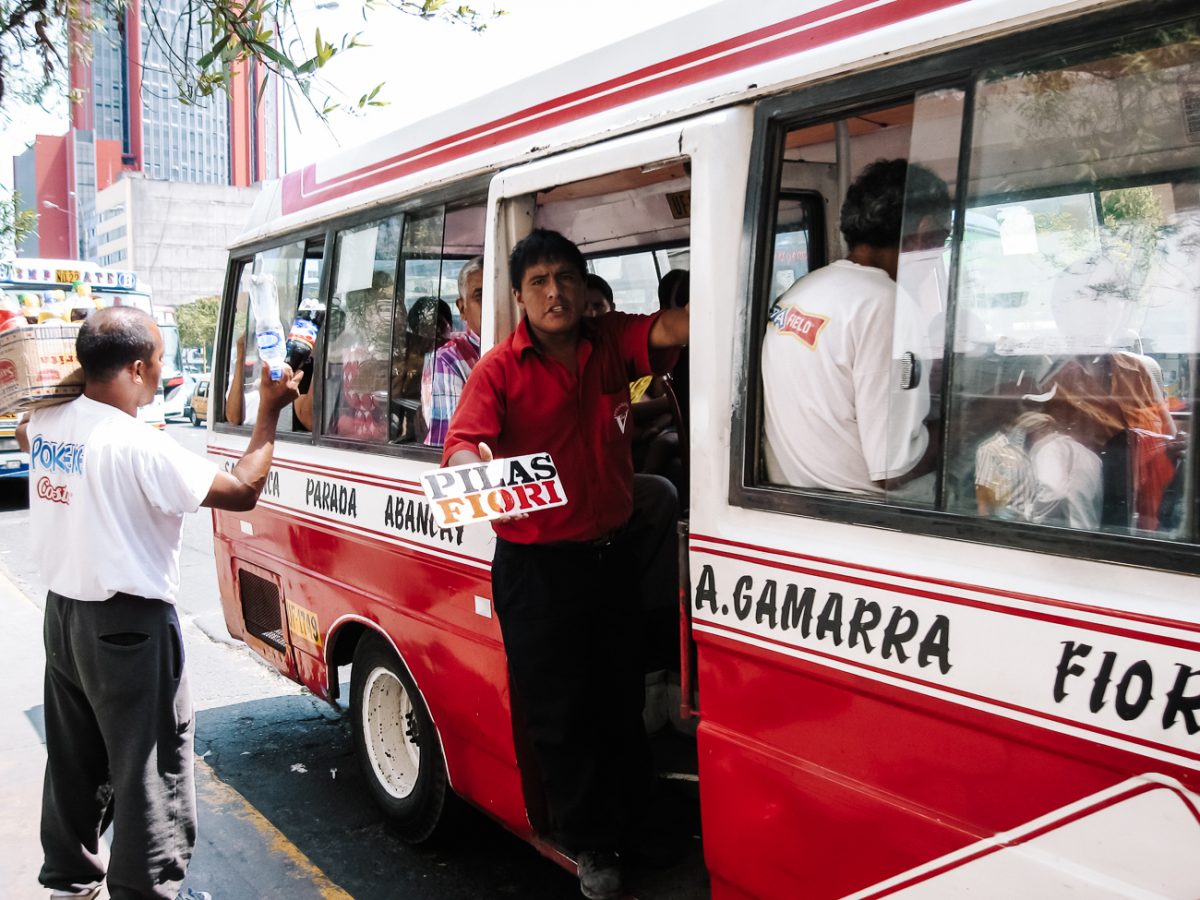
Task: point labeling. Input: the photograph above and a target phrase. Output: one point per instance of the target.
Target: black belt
(598, 543)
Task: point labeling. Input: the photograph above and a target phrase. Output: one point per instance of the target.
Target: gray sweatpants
(119, 731)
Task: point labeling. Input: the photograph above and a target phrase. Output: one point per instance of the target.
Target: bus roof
(730, 52)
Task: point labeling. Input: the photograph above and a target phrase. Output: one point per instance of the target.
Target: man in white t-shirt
(107, 499)
(845, 399)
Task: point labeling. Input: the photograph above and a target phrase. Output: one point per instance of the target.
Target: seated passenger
(598, 297)
(1031, 472)
(1113, 405)
(359, 360)
(427, 327)
(241, 400)
(840, 413)
(454, 360)
(1068, 488)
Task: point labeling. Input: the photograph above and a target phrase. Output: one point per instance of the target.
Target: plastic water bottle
(268, 330)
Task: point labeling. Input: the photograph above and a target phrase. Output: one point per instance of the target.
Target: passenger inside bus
(428, 327)
(599, 296)
(454, 360)
(359, 360)
(659, 404)
(842, 410)
(1030, 471)
(241, 400)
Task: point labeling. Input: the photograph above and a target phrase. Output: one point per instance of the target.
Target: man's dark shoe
(599, 874)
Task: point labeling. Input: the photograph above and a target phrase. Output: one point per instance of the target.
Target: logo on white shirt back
(56, 456)
(804, 327)
(55, 493)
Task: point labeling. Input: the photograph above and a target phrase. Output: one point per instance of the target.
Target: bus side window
(1077, 304)
(438, 242)
(359, 331)
(1054, 384)
(282, 265)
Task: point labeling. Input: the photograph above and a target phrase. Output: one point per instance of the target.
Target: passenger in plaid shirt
(453, 361)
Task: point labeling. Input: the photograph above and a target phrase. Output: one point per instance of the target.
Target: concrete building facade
(174, 234)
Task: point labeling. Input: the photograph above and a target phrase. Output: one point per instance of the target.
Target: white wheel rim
(390, 727)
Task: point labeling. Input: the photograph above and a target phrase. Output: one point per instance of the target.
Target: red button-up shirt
(520, 401)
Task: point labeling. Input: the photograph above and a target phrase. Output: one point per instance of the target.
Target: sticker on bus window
(483, 491)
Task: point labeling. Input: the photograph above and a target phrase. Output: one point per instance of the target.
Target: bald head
(112, 339)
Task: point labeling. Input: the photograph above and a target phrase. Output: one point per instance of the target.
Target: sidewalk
(240, 854)
(22, 752)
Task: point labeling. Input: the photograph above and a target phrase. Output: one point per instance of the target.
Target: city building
(129, 124)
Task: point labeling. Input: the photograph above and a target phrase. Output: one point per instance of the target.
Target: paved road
(284, 811)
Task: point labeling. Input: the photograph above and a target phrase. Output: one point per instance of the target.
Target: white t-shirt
(835, 416)
(107, 496)
(1070, 483)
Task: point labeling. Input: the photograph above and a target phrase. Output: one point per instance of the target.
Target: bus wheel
(395, 741)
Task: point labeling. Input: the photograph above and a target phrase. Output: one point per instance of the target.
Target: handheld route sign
(483, 491)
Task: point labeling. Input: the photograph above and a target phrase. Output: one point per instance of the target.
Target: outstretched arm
(670, 329)
(239, 490)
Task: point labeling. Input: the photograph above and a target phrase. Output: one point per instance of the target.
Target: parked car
(178, 392)
(198, 402)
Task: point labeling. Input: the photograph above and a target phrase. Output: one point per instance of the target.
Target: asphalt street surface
(284, 811)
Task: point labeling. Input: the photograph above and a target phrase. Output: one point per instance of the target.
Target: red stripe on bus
(736, 634)
(301, 189)
(965, 601)
(1179, 625)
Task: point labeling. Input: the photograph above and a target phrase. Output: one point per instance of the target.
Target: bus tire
(396, 742)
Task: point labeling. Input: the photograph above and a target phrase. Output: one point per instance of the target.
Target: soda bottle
(268, 330)
(302, 339)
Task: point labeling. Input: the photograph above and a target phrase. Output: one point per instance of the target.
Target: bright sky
(426, 66)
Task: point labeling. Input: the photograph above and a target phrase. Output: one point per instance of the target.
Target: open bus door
(662, 187)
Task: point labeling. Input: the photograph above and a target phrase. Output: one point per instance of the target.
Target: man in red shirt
(564, 579)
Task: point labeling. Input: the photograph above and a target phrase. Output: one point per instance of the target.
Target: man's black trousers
(572, 625)
(119, 732)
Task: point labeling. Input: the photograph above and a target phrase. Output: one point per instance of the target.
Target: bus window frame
(238, 257)
(465, 192)
(857, 94)
(644, 248)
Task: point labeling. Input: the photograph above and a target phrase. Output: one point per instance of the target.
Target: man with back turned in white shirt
(845, 400)
(107, 498)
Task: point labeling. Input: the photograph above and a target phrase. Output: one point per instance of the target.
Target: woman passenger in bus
(359, 361)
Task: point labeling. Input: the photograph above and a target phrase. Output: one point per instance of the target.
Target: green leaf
(207, 59)
(276, 57)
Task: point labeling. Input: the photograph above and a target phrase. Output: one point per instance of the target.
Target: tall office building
(129, 120)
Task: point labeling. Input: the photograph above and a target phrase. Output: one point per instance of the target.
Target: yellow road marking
(219, 794)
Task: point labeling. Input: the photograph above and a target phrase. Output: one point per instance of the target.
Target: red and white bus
(935, 692)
